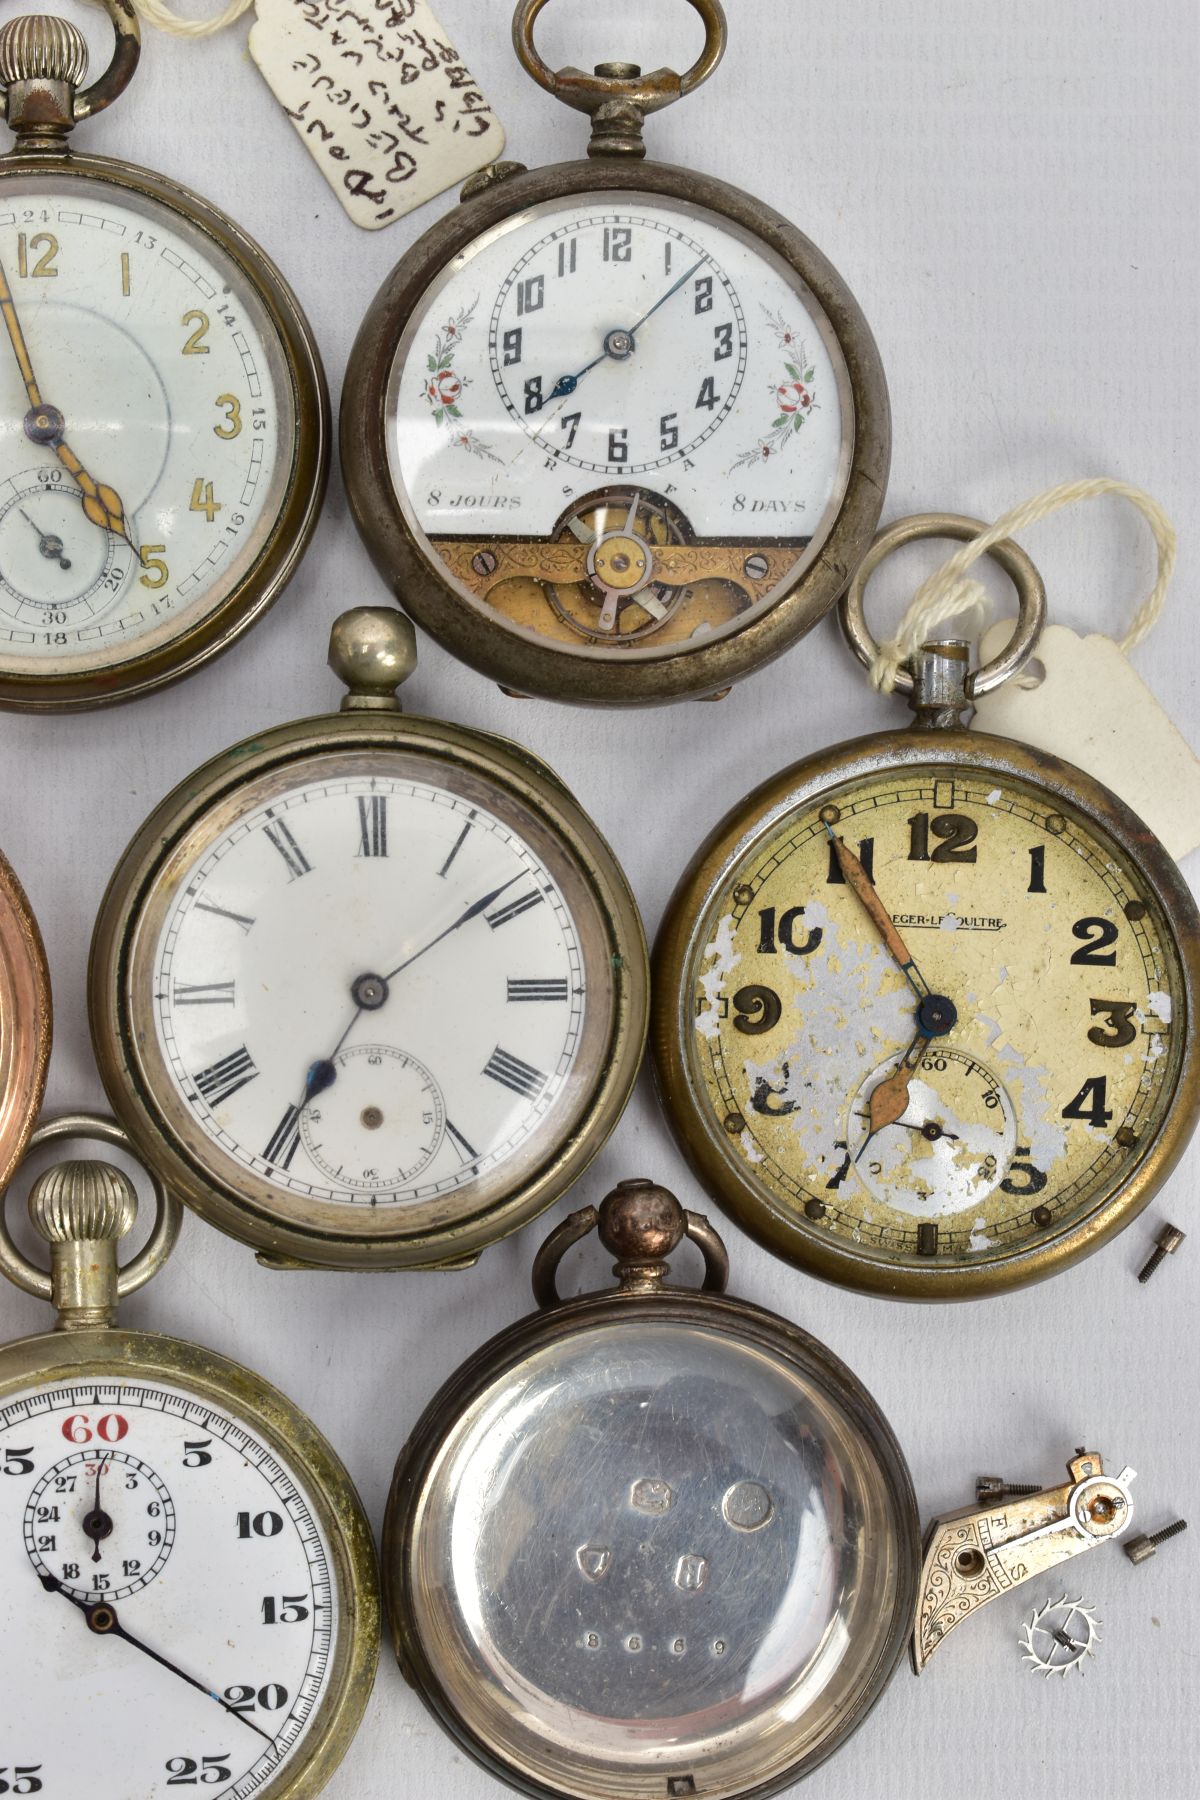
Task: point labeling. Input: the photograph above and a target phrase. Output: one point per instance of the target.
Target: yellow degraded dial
(931, 1017)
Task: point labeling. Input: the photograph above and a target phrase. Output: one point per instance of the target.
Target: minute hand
(859, 882)
(472, 912)
(671, 291)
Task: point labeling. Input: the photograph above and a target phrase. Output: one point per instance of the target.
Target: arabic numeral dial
(122, 1506)
(934, 1018)
(618, 343)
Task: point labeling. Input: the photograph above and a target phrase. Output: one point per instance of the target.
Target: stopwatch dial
(618, 398)
(369, 987)
(169, 1590)
(1050, 1073)
(148, 419)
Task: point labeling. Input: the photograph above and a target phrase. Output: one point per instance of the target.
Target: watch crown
(641, 1222)
(372, 649)
(83, 1202)
(37, 48)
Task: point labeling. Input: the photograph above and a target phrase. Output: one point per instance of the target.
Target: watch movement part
(1169, 1240)
(973, 1556)
(1141, 1548)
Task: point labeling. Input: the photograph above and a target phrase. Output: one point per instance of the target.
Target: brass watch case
(698, 1134)
(773, 1338)
(23, 689)
(25, 1022)
(117, 1355)
(521, 662)
(150, 1118)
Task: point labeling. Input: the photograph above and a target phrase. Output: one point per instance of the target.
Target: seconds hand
(370, 991)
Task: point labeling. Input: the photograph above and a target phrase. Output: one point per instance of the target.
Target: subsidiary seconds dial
(631, 367)
(369, 991)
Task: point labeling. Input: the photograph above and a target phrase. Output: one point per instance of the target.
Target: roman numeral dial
(371, 991)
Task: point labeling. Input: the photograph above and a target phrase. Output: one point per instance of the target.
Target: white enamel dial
(372, 989)
(126, 1677)
(147, 424)
(620, 366)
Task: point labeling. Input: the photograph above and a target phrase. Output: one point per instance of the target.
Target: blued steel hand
(323, 1073)
(102, 1619)
(46, 425)
(671, 291)
(566, 384)
(472, 912)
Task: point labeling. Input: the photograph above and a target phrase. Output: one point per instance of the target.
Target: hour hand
(101, 504)
(889, 1100)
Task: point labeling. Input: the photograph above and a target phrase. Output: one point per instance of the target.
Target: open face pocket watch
(370, 991)
(925, 1003)
(189, 1576)
(25, 1029)
(165, 418)
(652, 1543)
(615, 431)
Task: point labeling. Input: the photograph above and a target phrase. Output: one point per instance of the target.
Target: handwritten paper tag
(1094, 710)
(384, 102)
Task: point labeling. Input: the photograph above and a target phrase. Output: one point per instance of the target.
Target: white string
(949, 591)
(156, 12)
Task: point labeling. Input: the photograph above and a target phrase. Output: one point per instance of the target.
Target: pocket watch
(650, 1542)
(25, 1029)
(924, 1003)
(165, 417)
(189, 1575)
(615, 431)
(370, 991)
(653, 1543)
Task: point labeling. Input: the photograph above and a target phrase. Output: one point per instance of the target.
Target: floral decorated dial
(592, 368)
(936, 1016)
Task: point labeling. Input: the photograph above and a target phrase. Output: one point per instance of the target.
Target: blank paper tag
(1094, 710)
(383, 101)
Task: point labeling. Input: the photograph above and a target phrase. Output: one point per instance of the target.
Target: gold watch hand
(889, 1100)
(102, 504)
(859, 882)
(17, 338)
(46, 425)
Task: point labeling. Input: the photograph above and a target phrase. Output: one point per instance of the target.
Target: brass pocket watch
(615, 431)
(924, 1003)
(166, 418)
(190, 1577)
(369, 991)
(25, 1029)
(652, 1543)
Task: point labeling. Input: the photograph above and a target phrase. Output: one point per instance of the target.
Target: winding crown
(82, 1201)
(37, 48)
(372, 649)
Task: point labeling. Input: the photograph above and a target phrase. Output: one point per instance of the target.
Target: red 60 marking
(110, 1429)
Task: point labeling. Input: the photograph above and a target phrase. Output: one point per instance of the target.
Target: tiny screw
(1142, 1548)
(1169, 1240)
(756, 568)
(485, 563)
(993, 1487)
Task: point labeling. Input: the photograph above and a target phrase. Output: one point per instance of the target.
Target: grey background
(1012, 192)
